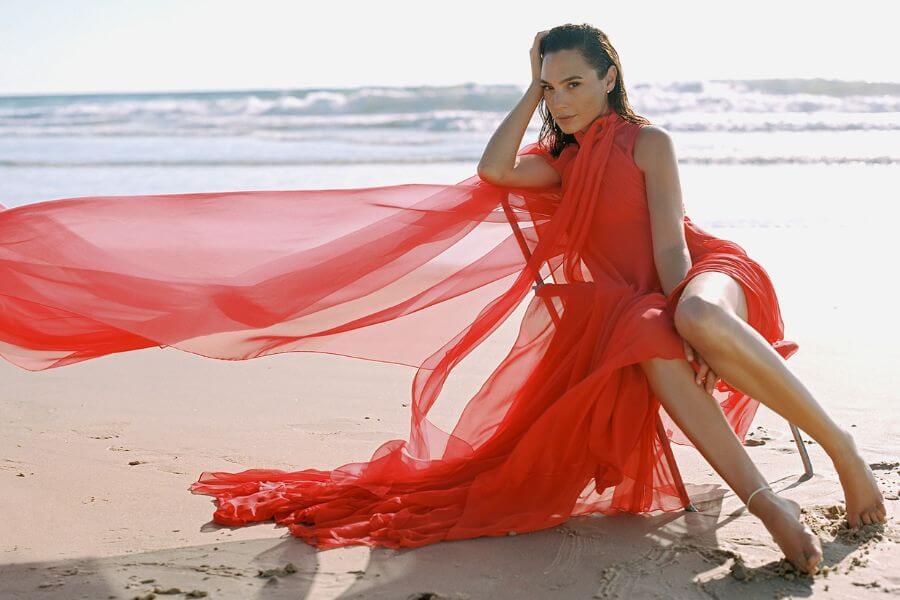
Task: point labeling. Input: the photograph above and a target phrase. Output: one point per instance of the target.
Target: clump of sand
(845, 549)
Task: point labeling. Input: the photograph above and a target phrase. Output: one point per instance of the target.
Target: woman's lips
(563, 119)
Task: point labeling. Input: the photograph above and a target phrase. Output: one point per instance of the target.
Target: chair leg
(673, 466)
(804, 454)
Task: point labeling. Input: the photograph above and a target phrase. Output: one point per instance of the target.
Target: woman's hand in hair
(536, 57)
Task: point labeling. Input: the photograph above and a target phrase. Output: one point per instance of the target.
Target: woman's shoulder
(654, 133)
(650, 141)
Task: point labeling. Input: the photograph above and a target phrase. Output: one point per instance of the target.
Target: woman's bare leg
(702, 420)
(711, 316)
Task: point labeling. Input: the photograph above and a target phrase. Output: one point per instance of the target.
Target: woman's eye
(547, 87)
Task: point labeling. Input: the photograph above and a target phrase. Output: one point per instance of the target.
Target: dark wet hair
(597, 51)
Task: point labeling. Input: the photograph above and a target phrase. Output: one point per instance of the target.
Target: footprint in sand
(236, 459)
(884, 465)
(101, 431)
(161, 461)
(887, 474)
(757, 437)
(611, 580)
(16, 466)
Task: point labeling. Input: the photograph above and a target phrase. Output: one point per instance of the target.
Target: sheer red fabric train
(413, 274)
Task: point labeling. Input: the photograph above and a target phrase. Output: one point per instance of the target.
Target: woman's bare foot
(781, 516)
(865, 504)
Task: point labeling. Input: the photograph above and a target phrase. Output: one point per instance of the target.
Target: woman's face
(572, 89)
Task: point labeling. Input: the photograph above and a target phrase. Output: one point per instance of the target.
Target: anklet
(749, 498)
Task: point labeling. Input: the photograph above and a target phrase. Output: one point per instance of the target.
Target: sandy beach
(96, 458)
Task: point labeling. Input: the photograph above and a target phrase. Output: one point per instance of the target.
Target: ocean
(149, 143)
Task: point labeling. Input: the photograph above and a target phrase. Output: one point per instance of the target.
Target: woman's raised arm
(500, 164)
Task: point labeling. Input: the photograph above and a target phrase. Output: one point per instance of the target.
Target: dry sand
(96, 458)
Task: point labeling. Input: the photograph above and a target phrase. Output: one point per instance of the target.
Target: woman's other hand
(711, 377)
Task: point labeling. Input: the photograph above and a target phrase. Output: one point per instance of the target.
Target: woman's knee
(695, 316)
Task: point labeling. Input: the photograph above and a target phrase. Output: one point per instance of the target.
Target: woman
(420, 275)
(714, 295)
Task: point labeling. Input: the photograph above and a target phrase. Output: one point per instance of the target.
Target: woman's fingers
(705, 371)
(702, 372)
(538, 37)
(536, 59)
(711, 379)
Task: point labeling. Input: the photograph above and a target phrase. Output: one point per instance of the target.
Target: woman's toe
(813, 564)
(812, 560)
(813, 551)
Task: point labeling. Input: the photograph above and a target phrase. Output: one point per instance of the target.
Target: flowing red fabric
(413, 274)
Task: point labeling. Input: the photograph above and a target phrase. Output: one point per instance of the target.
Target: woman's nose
(557, 97)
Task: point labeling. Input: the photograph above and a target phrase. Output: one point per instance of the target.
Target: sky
(93, 46)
